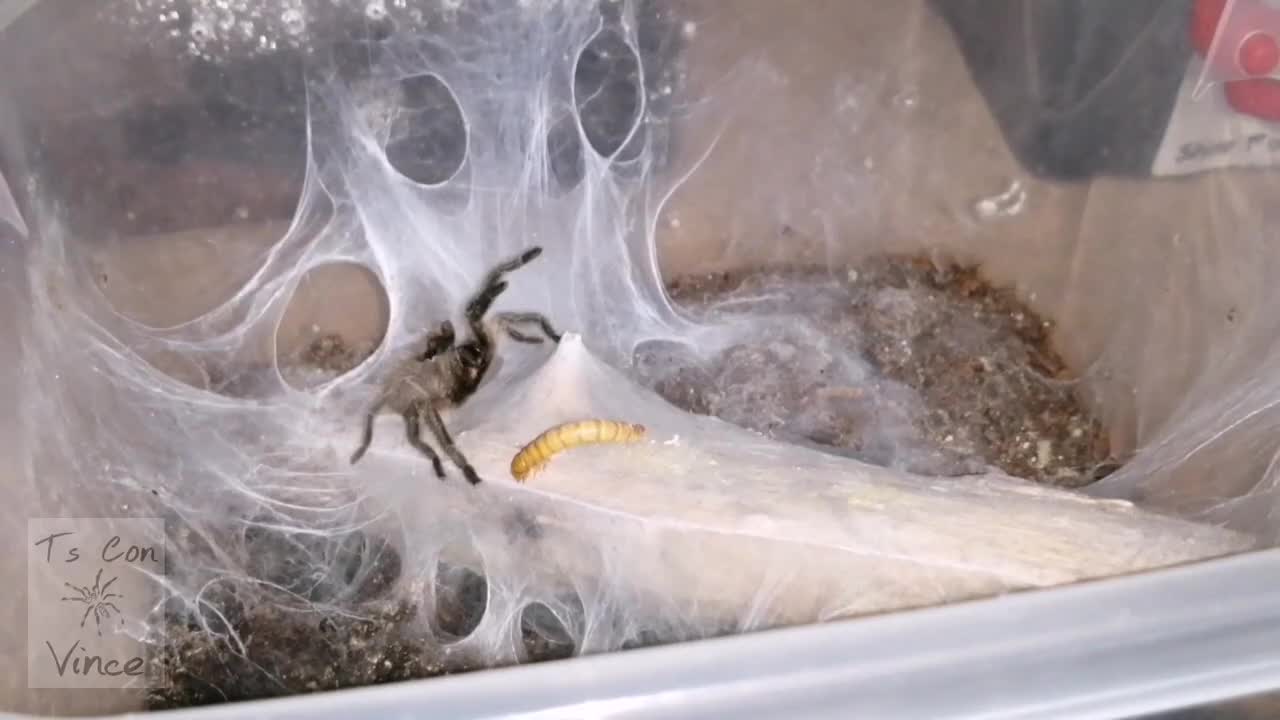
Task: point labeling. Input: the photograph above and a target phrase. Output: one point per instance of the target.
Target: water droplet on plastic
(200, 32)
(1006, 204)
(293, 21)
(907, 99)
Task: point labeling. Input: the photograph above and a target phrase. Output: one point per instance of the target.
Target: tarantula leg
(437, 341)
(521, 337)
(483, 300)
(511, 265)
(506, 320)
(493, 285)
(438, 429)
(367, 437)
(413, 429)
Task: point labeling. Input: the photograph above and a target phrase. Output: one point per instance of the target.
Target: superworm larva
(534, 456)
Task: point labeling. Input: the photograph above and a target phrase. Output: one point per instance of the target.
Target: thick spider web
(438, 143)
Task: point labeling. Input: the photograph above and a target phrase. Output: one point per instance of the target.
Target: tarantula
(440, 374)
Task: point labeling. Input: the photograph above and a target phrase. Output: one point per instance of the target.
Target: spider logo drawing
(97, 600)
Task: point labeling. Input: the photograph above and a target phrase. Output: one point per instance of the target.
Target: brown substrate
(899, 362)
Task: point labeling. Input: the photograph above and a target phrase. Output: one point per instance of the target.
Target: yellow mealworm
(534, 456)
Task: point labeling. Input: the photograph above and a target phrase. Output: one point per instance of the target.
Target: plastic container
(171, 164)
(1184, 643)
(1064, 116)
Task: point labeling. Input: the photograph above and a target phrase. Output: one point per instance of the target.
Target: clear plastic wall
(196, 194)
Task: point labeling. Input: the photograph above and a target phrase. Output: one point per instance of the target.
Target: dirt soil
(289, 652)
(900, 362)
(261, 643)
(344, 631)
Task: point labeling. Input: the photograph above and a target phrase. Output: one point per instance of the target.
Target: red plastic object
(1204, 23)
(1246, 54)
(1259, 54)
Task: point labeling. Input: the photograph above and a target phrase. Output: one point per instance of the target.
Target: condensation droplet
(293, 21)
(200, 32)
(1006, 204)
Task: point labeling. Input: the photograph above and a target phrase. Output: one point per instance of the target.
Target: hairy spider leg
(510, 265)
(368, 430)
(434, 421)
(437, 341)
(480, 341)
(492, 287)
(508, 319)
(490, 290)
(413, 429)
(521, 337)
(480, 304)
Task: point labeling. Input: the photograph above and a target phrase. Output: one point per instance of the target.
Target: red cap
(1258, 54)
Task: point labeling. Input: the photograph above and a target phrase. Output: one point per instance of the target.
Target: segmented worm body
(534, 456)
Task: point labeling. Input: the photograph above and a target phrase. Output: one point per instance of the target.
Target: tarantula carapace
(441, 373)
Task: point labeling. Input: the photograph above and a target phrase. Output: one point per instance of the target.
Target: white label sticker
(1205, 133)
